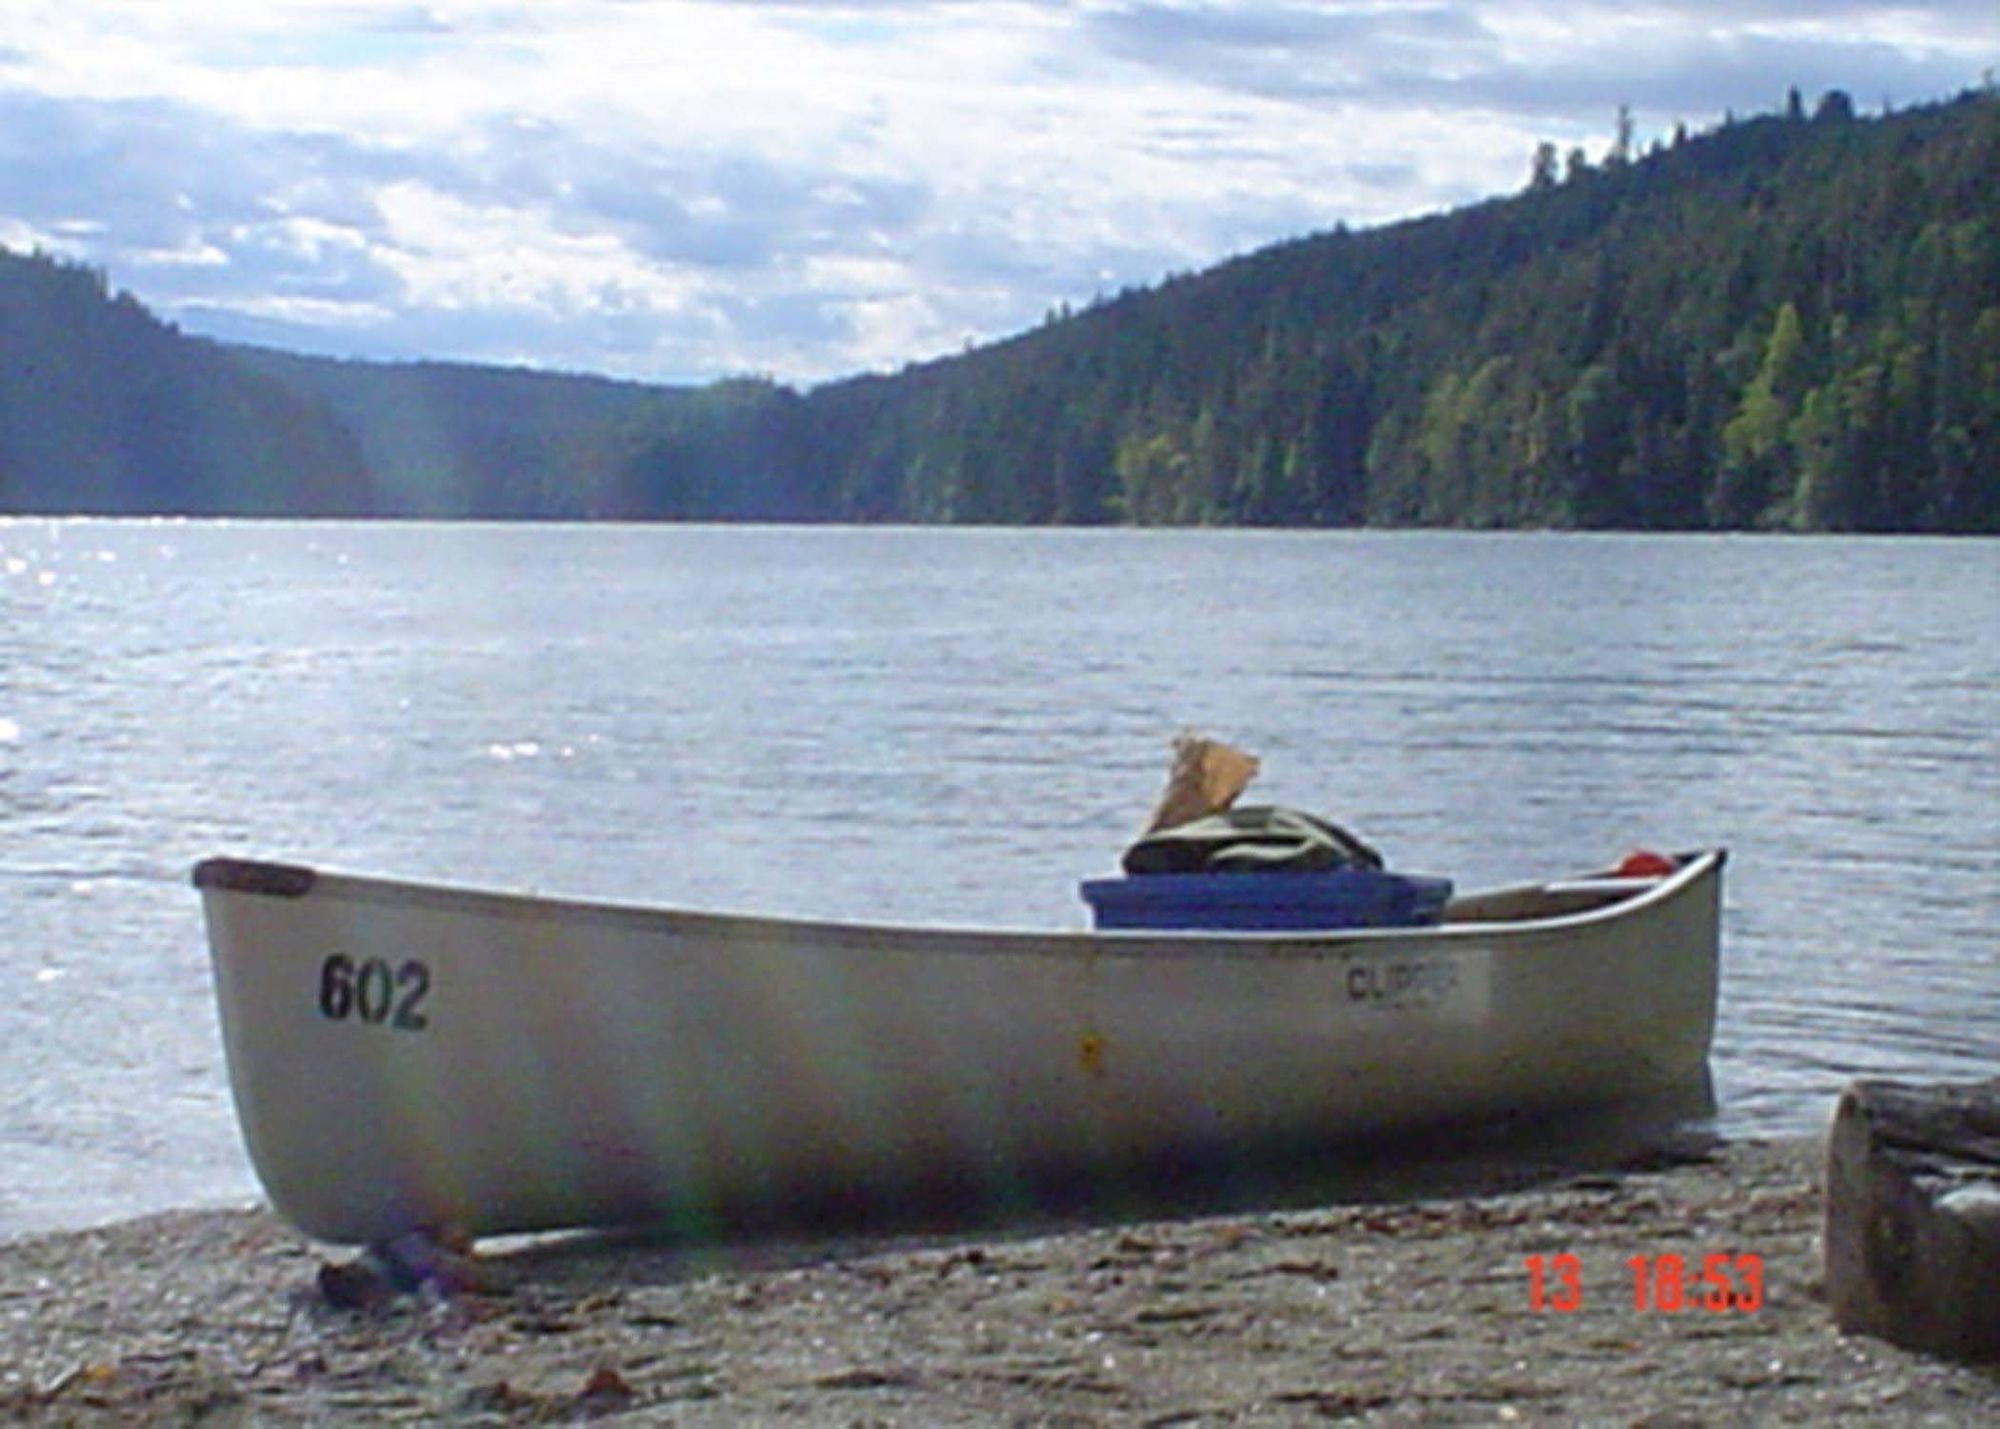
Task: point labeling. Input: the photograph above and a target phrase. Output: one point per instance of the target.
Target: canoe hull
(405, 1056)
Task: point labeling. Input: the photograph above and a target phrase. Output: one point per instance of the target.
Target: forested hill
(444, 439)
(1792, 321)
(105, 409)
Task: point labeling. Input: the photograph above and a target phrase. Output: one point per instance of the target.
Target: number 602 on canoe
(375, 993)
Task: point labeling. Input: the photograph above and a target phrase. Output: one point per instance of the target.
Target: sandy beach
(1407, 1308)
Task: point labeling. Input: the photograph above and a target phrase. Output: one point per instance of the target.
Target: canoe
(413, 1057)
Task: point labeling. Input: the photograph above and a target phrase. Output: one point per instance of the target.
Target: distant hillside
(447, 439)
(105, 409)
(1792, 321)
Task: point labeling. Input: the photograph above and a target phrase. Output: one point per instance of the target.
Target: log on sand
(1913, 1216)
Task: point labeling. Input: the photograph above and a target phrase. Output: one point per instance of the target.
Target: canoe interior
(1559, 899)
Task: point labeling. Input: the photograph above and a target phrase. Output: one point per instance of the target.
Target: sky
(686, 190)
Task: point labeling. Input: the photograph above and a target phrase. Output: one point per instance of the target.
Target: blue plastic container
(1266, 902)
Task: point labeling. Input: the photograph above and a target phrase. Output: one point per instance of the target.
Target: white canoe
(415, 1057)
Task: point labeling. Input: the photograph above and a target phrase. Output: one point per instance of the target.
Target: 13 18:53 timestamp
(1718, 1282)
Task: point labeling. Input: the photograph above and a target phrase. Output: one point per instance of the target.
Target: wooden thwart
(1913, 1216)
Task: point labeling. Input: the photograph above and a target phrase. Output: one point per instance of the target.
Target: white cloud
(682, 188)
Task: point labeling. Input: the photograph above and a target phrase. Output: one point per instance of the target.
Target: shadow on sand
(1589, 1149)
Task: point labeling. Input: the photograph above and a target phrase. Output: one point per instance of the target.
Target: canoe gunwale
(282, 880)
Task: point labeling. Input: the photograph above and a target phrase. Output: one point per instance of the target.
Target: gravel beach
(1408, 1308)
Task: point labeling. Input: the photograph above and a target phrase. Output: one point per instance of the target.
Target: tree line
(105, 409)
(1792, 321)
(1789, 322)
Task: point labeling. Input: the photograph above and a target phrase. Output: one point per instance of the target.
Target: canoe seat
(1548, 900)
(1618, 887)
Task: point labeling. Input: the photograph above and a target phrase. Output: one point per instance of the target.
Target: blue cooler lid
(1253, 902)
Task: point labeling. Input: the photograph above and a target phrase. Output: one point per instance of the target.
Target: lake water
(954, 727)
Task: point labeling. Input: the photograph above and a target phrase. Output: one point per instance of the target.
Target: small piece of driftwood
(1913, 1216)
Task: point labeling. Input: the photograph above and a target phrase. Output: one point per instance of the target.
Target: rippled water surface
(956, 726)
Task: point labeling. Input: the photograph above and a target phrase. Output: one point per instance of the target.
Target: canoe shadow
(1591, 1148)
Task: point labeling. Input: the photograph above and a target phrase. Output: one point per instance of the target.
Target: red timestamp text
(1721, 1282)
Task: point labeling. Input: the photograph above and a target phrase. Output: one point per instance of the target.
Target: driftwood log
(1913, 1216)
